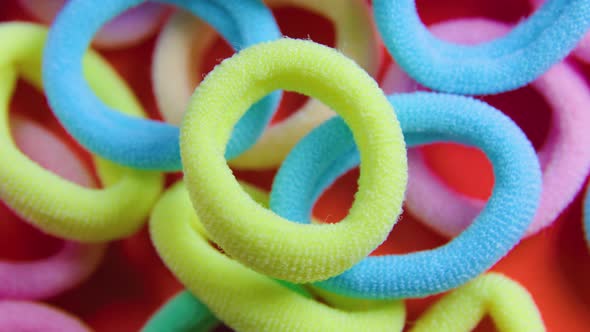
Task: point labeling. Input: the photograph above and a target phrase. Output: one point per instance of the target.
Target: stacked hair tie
(175, 200)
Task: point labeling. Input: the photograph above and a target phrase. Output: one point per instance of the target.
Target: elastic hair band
(328, 151)
(32, 316)
(128, 29)
(244, 299)
(510, 306)
(73, 262)
(504, 64)
(184, 40)
(255, 236)
(127, 140)
(182, 313)
(51, 203)
(582, 51)
(564, 157)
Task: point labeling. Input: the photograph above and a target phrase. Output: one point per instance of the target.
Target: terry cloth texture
(564, 156)
(125, 139)
(51, 203)
(328, 151)
(504, 64)
(255, 236)
(244, 299)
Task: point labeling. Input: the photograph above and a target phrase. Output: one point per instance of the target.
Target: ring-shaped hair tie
(73, 262)
(183, 312)
(329, 150)
(255, 236)
(244, 299)
(510, 306)
(128, 29)
(564, 157)
(184, 40)
(582, 51)
(127, 140)
(504, 64)
(51, 203)
(33, 316)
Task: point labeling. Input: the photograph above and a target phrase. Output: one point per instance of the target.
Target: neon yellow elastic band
(51, 203)
(243, 299)
(356, 37)
(255, 236)
(181, 48)
(510, 306)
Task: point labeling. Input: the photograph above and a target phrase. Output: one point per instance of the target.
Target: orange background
(132, 282)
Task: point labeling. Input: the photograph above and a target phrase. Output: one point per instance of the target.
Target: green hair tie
(53, 204)
(256, 236)
(244, 299)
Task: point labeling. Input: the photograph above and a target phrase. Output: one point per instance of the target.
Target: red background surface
(132, 282)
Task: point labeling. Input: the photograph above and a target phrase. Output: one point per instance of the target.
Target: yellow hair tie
(51, 203)
(246, 300)
(184, 40)
(256, 236)
(508, 303)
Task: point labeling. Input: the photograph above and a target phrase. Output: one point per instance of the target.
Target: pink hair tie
(582, 51)
(74, 262)
(130, 28)
(564, 158)
(17, 316)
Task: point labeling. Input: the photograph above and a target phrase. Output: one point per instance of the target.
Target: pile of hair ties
(175, 166)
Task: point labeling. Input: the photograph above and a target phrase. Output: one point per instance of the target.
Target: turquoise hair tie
(139, 143)
(425, 118)
(503, 64)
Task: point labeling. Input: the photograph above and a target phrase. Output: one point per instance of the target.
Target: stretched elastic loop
(328, 151)
(256, 236)
(128, 29)
(51, 203)
(564, 157)
(142, 143)
(244, 299)
(184, 40)
(504, 64)
(509, 304)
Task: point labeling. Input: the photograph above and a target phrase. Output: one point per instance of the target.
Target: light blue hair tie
(139, 143)
(425, 118)
(503, 64)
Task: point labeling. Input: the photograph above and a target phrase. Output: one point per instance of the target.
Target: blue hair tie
(139, 143)
(503, 64)
(425, 118)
